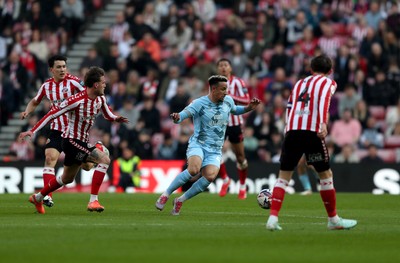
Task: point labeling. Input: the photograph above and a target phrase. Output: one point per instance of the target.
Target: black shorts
(54, 140)
(299, 142)
(234, 134)
(76, 151)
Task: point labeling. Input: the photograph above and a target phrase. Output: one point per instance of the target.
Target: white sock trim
(49, 170)
(59, 179)
(326, 184)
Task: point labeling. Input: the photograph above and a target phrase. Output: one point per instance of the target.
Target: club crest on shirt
(65, 90)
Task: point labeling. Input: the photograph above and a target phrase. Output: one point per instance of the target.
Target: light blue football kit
(210, 120)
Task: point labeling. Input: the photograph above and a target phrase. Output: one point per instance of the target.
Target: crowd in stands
(159, 54)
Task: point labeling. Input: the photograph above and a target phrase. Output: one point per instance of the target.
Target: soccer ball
(99, 145)
(264, 198)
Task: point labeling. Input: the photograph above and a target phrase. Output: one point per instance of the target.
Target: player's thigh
(212, 161)
(292, 150)
(317, 154)
(194, 157)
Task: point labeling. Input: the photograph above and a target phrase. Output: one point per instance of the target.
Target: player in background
(82, 109)
(210, 116)
(238, 91)
(57, 89)
(302, 171)
(306, 129)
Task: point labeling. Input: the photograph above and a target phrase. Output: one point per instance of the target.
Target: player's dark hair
(224, 60)
(321, 64)
(52, 59)
(93, 75)
(215, 79)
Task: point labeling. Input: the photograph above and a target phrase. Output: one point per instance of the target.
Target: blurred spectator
(373, 15)
(22, 149)
(57, 21)
(180, 100)
(18, 76)
(91, 59)
(361, 112)
(133, 84)
(372, 156)
(281, 32)
(122, 68)
(7, 105)
(143, 146)
(250, 144)
(366, 43)
(231, 33)
(393, 19)
(178, 35)
(248, 13)
(118, 28)
(39, 48)
(329, 42)
(296, 27)
(346, 155)
(308, 42)
(377, 60)
(34, 16)
(39, 147)
(199, 32)
(167, 149)
(264, 30)
(280, 59)
(371, 135)
(103, 44)
(151, 18)
(239, 61)
(203, 69)
(128, 110)
(74, 10)
(120, 96)
(169, 84)
(205, 9)
(138, 27)
(128, 173)
(151, 116)
(341, 71)
(346, 130)
(392, 118)
(149, 88)
(176, 59)
(124, 46)
(313, 15)
(379, 91)
(140, 61)
(110, 60)
(151, 46)
(169, 19)
(349, 99)
(279, 82)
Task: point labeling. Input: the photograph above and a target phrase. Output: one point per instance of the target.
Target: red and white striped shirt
(238, 91)
(82, 112)
(308, 103)
(57, 92)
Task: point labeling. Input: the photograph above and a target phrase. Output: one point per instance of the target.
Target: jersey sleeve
(106, 110)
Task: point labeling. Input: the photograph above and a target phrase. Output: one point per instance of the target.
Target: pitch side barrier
(26, 177)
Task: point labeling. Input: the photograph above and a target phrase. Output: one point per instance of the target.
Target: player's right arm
(33, 103)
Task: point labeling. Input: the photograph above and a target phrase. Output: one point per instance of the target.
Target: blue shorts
(207, 157)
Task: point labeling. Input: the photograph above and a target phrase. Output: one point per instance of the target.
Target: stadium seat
(392, 142)
(388, 155)
(378, 112)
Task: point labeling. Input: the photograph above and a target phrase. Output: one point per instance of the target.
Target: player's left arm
(323, 110)
(109, 114)
(238, 110)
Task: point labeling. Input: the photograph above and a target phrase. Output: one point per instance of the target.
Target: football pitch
(209, 229)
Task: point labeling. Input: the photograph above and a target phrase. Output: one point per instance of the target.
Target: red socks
(328, 195)
(278, 194)
(50, 187)
(48, 174)
(98, 177)
(222, 171)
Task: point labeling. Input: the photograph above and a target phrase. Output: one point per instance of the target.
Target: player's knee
(50, 159)
(194, 170)
(106, 160)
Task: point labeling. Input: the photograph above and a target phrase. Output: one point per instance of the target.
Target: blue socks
(179, 180)
(305, 181)
(198, 187)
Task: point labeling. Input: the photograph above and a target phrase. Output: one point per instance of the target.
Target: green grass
(209, 229)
